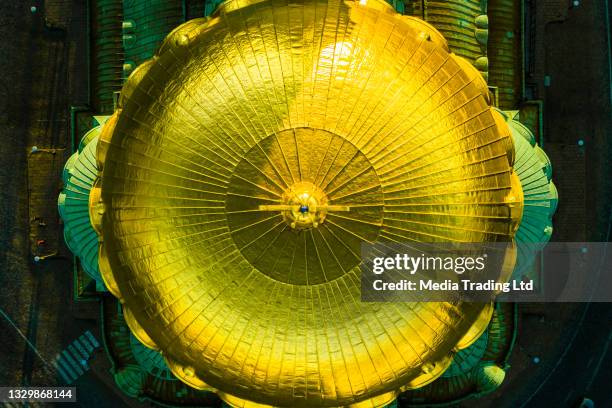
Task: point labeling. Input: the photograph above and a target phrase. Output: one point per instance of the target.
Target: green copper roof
(489, 377)
(131, 380)
(534, 171)
(79, 175)
(150, 360)
(107, 52)
(465, 360)
(146, 24)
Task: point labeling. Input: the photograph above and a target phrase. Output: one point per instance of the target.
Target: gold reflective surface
(248, 162)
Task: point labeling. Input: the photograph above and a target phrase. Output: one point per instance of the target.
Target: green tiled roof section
(500, 333)
(465, 360)
(79, 175)
(150, 360)
(108, 52)
(147, 22)
(152, 21)
(131, 380)
(455, 19)
(505, 50)
(539, 194)
(533, 171)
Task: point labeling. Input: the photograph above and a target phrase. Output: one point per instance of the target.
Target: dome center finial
(304, 205)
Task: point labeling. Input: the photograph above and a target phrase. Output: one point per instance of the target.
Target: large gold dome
(249, 160)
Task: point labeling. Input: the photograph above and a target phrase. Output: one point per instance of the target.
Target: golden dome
(247, 163)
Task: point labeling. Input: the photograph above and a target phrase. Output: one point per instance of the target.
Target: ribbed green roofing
(146, 25)
(79, 175)
(150, 360)
(107, 52)
(131, 380)
(465, 360)
(534, 170)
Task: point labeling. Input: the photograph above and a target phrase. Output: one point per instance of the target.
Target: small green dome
(489, 377)
(131, 380)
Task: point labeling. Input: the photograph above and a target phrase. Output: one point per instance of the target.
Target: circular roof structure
(249, 161)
